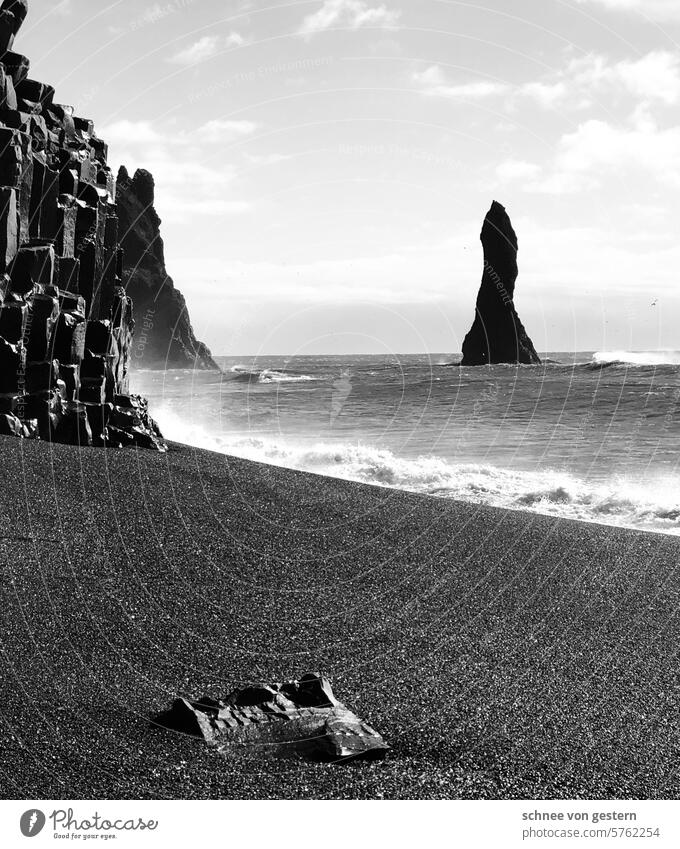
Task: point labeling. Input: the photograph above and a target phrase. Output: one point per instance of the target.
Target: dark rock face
(66, 325)
(298, 718)
(166, 338)
(12, 16)
(498, 335)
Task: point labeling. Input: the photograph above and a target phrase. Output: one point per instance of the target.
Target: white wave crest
(637, 358)
(617, 503)
(269, 376)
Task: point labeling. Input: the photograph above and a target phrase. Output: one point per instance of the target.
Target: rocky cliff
(66, 323)
(166, 337)
(498, 335)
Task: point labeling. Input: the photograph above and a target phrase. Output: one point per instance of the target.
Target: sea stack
(498, 335)
(166, 338)
(66, 325)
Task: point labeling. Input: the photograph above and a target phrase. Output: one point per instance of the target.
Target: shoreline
(461, 501)
(502, 654)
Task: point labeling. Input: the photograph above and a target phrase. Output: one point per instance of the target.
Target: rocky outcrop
(301, 718)
(66, 324)
(167, 339)
(498, 335)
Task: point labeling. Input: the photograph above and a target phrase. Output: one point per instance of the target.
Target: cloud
(433, 83)
(234, 39)
(653, 77)
(184, 187)
(206, 47)
(598, 150)
(348, 13)
(143, 132)
(189, 181)
(658, 9)
(545, 94)
(136, 132)
(199, 51)
(225, 131)
(599, 147)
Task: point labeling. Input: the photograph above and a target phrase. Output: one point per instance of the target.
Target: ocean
(588, 436)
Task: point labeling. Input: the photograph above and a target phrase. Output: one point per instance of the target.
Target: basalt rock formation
(301, 718)
(498, 335)
(167, 338)
(66, 324)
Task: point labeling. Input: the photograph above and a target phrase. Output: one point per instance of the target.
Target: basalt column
(66, 324)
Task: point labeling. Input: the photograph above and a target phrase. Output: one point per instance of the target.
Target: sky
(323, 167)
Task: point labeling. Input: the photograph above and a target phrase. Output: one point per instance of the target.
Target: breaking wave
(639, 358)
(551, 493)
(267, 376)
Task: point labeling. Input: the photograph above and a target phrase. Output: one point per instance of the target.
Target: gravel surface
(502, 655)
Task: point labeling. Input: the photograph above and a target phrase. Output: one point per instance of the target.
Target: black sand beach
(503, 655)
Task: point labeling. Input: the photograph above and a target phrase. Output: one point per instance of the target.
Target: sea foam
(637, 358)
(617, 502)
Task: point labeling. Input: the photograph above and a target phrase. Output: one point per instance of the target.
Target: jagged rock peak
(497, 334)
(167, 338)
(144, 186)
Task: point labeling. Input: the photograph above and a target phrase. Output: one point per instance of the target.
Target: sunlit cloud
(225, 131)
(353, 14)
(658, 9)
(653, 77)
(206, 48)
(433, 82)
(599, 150)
